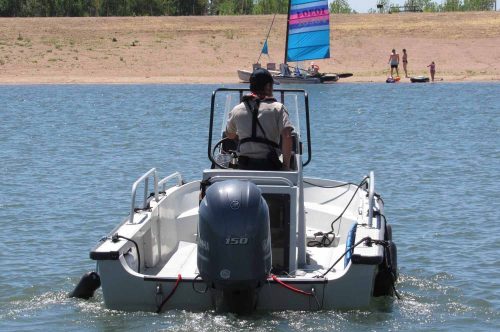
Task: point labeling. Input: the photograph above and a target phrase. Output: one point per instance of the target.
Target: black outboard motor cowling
(234, 243)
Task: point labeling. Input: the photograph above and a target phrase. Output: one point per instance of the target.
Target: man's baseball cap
(259, 78)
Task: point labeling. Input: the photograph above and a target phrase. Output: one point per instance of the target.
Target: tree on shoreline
(50, 8)
(434, 6)
(340, 7)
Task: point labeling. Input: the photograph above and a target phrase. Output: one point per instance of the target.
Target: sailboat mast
(268, 32)
(287, 26)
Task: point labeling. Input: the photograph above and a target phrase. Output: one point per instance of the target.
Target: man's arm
(286, 140)
(231, 127)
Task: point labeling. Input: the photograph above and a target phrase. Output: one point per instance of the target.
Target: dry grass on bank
(465, 46)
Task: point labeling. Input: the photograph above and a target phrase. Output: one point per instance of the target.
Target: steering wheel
(222, 160)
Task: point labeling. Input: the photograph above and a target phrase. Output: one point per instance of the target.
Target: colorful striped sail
(308, 30)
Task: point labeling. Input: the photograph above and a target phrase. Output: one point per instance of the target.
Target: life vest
(255, 123)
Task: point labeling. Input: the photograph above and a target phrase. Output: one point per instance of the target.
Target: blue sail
(264, 48)
(308, 30)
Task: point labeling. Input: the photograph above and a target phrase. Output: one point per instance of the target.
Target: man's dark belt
(248, 163)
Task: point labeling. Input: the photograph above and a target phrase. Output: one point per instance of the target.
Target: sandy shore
(465, 47)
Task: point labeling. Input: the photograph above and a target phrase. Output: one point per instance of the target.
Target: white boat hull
(244, 75)
(321, 244)
(296, 80)
(124, 290)
(170, 230)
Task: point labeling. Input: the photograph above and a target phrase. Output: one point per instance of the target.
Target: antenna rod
(268, 32)
(287, 26)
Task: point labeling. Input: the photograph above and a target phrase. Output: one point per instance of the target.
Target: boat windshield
(295, 101)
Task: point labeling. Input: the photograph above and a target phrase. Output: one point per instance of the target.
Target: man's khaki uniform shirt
(272, 116)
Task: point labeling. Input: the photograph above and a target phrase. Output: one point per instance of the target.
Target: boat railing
(371, 197)
(145, 178)
(255, 179)
(163, 182)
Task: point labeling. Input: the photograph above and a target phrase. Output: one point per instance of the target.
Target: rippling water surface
(69, 155)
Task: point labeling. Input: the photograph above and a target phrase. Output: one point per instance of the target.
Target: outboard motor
(234, 244)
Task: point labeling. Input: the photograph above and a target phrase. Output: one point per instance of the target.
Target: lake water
(70, 153)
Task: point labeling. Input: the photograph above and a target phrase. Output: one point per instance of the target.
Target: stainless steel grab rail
(146, 185)
(163, 182)
(371, 195)
(253, 178)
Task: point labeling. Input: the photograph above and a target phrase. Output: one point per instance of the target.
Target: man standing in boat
(258, 122)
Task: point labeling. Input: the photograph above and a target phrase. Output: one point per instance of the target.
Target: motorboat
(243, 241)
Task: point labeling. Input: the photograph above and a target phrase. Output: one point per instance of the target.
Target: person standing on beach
(432, 68)
(394, 62)
(405, 62)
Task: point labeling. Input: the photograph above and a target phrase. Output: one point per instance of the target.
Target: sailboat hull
(244, 75)
(296, 80)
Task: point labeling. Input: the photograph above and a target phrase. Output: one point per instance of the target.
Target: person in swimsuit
(405, 62)
(394, 62)
(432, 68)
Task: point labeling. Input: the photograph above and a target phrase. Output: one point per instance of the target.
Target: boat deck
(184, 261)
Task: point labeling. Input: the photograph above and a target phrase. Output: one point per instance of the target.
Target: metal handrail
(371, 195)
(253, 178)
(164, 181)
(146, 185)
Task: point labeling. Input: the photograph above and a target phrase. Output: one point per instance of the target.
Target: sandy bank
(465, 47)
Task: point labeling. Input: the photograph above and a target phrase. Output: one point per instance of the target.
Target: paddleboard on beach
(419, 79)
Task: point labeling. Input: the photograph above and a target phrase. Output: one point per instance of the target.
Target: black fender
(388, 232)
(387, 272)
(87, 286)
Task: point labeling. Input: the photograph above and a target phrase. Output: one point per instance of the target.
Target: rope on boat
(293, 289)
(312, 293)
(368, 239)
(115, 238)
(325, 240)
(179, 278)
(395, 291)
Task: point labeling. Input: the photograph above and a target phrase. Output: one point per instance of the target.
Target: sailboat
(307, 38)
